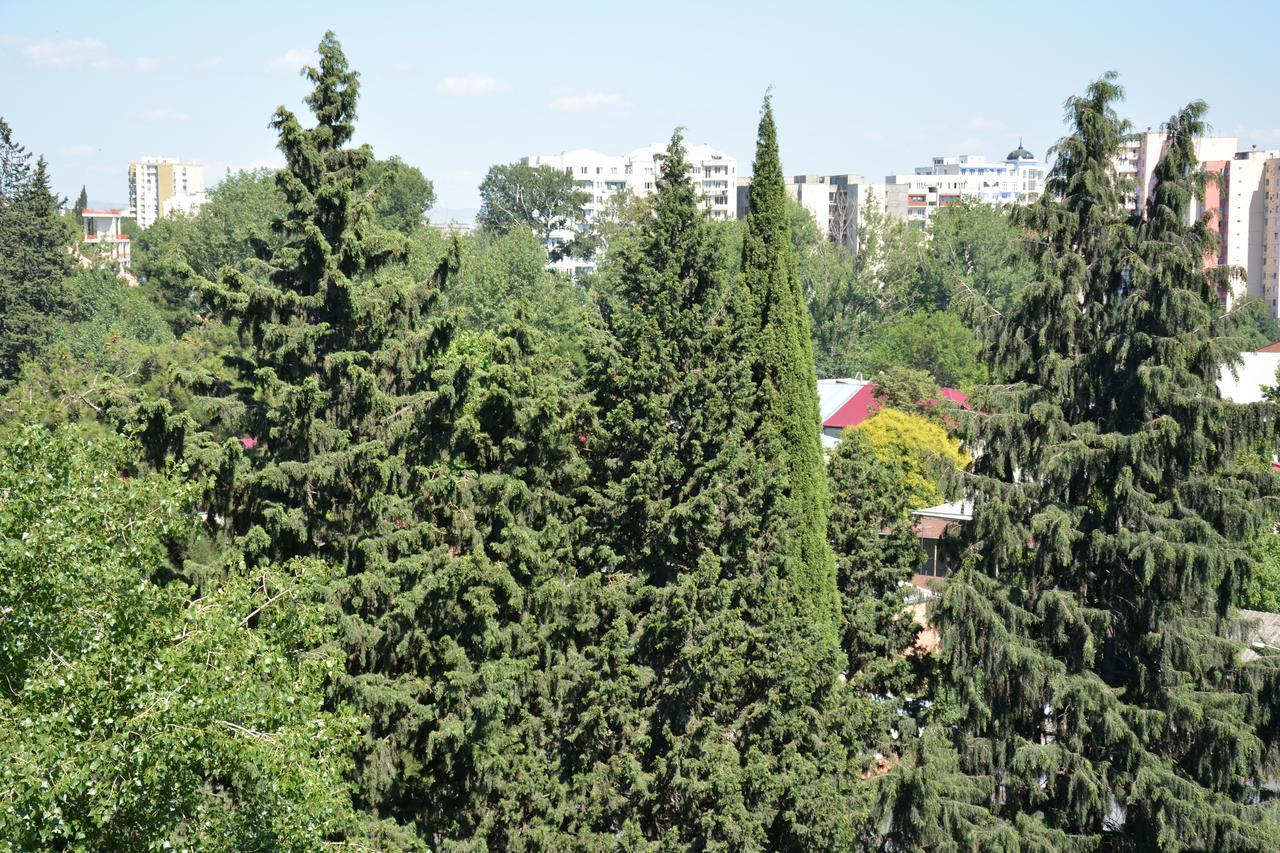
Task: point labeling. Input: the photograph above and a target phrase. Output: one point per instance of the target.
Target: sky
(453, 88)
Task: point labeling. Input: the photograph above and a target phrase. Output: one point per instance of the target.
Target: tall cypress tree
(786, 434)
(1088, 633)
(34, 262)
(733, 728)
(82, 201)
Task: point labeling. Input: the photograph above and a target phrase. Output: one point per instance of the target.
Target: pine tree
(82, 202)
(34, 262)
(786, 432)
(438, 473)
(1088, 634)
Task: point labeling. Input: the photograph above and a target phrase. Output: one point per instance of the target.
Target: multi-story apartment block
(162, 186)
(603, 176)
(837, 202)
(1241, 202)
(1018, 179)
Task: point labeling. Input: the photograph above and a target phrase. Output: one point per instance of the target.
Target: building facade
(1018, 179)
(604, 176)
(102, 229)
(1240, 201)
(837, 202)
(163, 186)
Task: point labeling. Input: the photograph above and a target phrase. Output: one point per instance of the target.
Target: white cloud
(470, 84)
(146, 64)
(208, 63)
(165, 114)
(60, 53)
(590, 101)
(983, 124)
(81, 150)
(293, 59)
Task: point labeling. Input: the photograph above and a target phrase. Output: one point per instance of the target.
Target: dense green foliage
(33, 255)
(775, 330)
(342, 531)
(1088, 634)
(134, 712)
(732, 706)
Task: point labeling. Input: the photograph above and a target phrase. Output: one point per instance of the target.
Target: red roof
(89, 212)
(863, 405)
(1271, 348)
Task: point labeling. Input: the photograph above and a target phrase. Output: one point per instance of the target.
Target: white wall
(1257, 371)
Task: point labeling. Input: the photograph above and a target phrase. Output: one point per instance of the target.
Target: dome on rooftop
(1020, 153)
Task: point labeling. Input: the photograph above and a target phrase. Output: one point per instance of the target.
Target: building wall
(154, 181)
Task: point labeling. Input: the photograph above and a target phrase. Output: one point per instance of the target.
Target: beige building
(163, 186)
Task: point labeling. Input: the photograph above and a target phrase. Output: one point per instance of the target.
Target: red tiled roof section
(863, 405)
(1271, 347)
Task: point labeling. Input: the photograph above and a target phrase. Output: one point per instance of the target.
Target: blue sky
(869, 88)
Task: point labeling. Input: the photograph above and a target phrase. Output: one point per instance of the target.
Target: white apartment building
(1018, 179)
(603, 176)
(837, 203)
(162, 186)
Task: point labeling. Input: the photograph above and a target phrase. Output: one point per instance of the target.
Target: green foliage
(1088, 634)
(851, 297)
(135, 713)
(677, 520)
(786, 433)
(107, 313)
(232, 229)
(82, 201)
(405, 197)
(1262, 590)
(975, 260)
(935, 341)
(909, 390)
(540, 198)
(504, 276)
(877, 552)
(33, 255)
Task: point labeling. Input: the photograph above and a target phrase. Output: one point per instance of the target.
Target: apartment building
(1148, 147)
(603, 176)
(1018, 179)
(162, 186)
(837, 202)
(1241, 201)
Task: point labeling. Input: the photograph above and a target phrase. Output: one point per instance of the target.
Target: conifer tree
(786, 432)
(1088, 634)
(876, 552)
(731, 708)
(34, 261)
(82, 202)
(437, 473)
